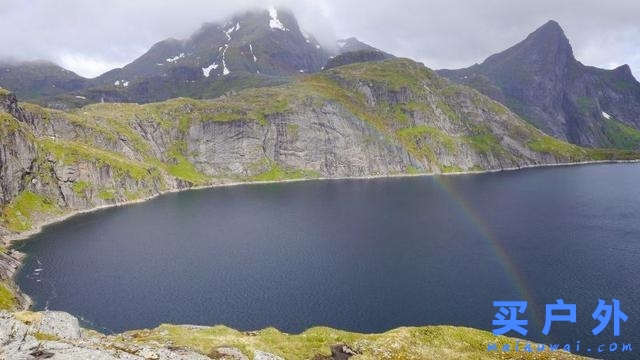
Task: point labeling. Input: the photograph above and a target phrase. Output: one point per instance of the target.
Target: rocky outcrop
(540, 80)
(57, 335)
(10, 261)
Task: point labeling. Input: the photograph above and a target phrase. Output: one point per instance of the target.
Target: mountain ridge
(249, 49)
(540, 79)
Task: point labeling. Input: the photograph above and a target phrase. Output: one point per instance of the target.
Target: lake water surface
(361, 255)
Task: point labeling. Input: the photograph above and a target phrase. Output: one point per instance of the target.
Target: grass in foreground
(430, 342)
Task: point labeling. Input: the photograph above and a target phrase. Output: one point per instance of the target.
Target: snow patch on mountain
(232, 29)
(207, 70)
(175, 58)
(255, 59)
(122, 83)
(306, 37)
(274, 22)
(225, 71)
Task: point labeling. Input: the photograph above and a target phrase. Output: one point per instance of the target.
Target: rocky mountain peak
(550, 28)
(624, 72)
(540, 79)
(547, 50)
(549, 36)
(251, 47)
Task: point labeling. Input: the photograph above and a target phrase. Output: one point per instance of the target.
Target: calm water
(363, 255)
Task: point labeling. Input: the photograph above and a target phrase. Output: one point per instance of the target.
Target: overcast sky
(90, 37)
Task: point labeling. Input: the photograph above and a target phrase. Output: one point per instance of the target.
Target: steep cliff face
(540, 80)
(382, 118)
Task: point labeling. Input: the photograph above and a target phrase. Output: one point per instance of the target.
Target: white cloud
(87, 66)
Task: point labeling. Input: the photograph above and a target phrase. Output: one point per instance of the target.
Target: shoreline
(9, 240)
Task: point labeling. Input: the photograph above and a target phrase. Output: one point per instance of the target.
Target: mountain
(33, 79)
(352, 51)
(353, 57)
(540, 80)
(250, 49)
(353, 44)
(267, 42)
(255, 48)
(375, 118)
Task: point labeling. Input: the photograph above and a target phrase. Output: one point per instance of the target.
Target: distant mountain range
(38, 79)
(540, 80)
(252, 49)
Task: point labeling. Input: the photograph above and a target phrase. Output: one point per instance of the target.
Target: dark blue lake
(361, 255)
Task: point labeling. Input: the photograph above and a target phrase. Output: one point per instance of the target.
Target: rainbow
(509, 268)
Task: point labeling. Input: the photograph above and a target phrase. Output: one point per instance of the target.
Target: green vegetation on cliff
(560, 149)
(276, 172)
(18, 215)
(7, 299)
(71, 152)
(621, 136)
(180, 167)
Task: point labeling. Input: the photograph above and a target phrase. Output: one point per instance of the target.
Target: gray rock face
(228, 353)
(59, 324)
(540, 79)
(261, 355)
(56, 335)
